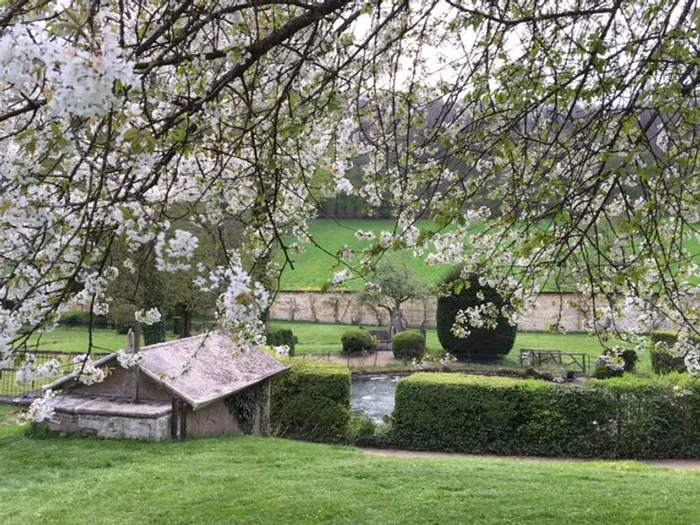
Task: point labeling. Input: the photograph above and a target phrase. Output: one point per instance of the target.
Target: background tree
(392, 285)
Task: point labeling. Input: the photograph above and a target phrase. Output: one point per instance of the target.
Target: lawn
(325, 338)
(76, 340)
(246, 480)
(314, 267)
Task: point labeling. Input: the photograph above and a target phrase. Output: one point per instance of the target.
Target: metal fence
(9, 387)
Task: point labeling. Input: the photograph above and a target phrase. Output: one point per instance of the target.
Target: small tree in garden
(466, 322)
(391, 286)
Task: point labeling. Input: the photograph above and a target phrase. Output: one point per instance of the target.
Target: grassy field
(315, 267)
(74, 481)
(77, 339)
(325, 338)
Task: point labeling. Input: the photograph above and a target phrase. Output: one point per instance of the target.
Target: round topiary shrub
(357, 341)
(481, 343)
(408, 345)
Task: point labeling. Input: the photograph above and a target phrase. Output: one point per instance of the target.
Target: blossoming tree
(580, 118)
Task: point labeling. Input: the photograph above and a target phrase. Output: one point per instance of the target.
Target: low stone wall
(343, 308)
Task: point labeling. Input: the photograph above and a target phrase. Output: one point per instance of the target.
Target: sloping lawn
(314, 267)
(245, 480)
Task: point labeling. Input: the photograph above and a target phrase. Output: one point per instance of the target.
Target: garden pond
(373, 396)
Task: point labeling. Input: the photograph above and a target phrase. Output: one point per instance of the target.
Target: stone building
(198, 386)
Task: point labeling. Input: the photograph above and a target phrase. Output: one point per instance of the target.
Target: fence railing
(9, 387)
(580, 362)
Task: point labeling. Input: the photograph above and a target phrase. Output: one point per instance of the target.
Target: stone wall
(339, 307)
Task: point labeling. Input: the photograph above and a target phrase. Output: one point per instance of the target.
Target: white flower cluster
(365, 235)
(148, 317)
(29, 372)
(86, 372)
(242, 301)
(78, 82)
(131, 359)
(612, 360)
(342, 276)
(173, 255)
(484, 315)
(282, 351)
(42, 409)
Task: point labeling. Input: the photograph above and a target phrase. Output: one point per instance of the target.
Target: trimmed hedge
(358, 340)
(663, 360)
(408, 345)
(623, 417)
(311, 402)
(481, 343)
(282, 336)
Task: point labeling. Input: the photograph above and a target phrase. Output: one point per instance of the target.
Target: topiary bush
(358, 340)
(623, 417)
(282, 336)
(408, 345)
(481, 343)
(663, 360)
(311, 402)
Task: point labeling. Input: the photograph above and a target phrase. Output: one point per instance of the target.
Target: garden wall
(625, 417)
(342, 307)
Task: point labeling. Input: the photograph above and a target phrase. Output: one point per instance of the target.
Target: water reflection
(373, 396)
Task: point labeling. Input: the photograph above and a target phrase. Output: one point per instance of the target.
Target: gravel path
(674, 464)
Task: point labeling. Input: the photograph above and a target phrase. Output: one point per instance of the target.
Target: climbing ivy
(245, 404)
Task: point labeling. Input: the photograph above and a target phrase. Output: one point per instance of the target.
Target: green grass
(77, 339)
(74, 481)
(314, 267)
(321, 339)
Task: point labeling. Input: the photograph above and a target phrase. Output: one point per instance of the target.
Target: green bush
(282, 336)
(481, 342)
(311, 402)
(408, 345)
(630, 357)
(153, 334)
(663, 360)
(358, 340)
(624, 417)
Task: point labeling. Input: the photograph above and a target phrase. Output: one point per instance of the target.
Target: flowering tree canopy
(579, 117)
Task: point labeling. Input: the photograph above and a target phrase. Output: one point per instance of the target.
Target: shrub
(630, 358)
(624, 417)
(311, 402)
(663, 360)
(282, 336)
(408, 345)
(481, 342)
(358, 340)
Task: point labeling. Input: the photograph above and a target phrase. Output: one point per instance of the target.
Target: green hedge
(663, 360)
(408, 345)
(311, 402)
(358, 340)
(481, 343)
(624, 417)
(282, 336)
